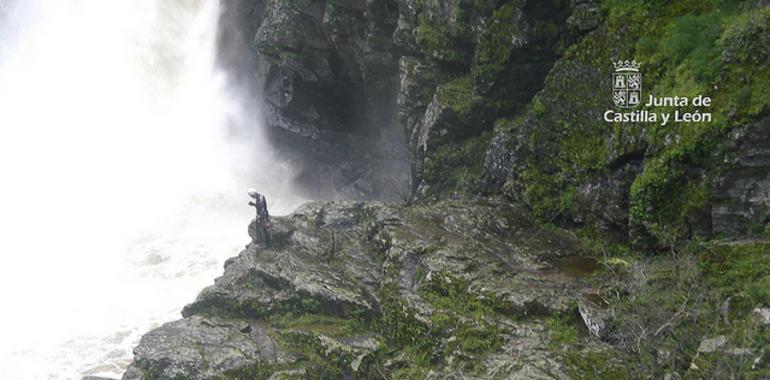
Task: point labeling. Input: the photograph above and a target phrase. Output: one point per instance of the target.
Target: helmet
(253, 193)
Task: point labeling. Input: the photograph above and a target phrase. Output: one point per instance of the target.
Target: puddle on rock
(574, 266)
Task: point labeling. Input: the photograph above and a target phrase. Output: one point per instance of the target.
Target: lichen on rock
(333, 293)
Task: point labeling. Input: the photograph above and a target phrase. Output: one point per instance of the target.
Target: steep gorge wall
(422, 99)
(499, 102)
(367, 97)
(466, 65)
(327, 75)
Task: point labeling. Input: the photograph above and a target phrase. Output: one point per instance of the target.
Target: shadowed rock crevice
(327, 75)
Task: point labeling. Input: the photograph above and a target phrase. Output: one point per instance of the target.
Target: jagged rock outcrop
(741, 195)
(351, 290)
(529, 159)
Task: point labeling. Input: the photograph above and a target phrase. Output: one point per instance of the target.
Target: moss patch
(497, 42)
(597, 365)
(456, 167)
(320, 324)
(444, 39)
(459, 95)
(562, 329)
(690, 54)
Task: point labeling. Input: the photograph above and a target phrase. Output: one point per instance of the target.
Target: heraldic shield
(626, 84)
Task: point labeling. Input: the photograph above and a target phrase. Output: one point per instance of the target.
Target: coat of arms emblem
(626, 84)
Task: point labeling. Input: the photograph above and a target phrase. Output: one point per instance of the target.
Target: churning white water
(124, 160)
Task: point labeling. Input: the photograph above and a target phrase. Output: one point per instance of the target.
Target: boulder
(203, 347)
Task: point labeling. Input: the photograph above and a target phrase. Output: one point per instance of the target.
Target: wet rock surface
(361, 95)
(741, 195)
(342, 280)
(327, 75)
(203, 347)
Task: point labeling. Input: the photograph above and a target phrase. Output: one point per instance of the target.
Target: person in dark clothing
(262, 221)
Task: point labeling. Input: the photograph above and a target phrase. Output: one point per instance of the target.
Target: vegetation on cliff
(502, 103)
(716, 49)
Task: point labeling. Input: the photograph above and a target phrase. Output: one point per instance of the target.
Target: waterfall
(125, 155)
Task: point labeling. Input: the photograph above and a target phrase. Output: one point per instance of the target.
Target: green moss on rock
(444, 35)
(603, 365)
(495, 45)
(456, 166)
(459, 95)
(710, 48)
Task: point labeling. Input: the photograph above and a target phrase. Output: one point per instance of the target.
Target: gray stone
(762, 315)
(711, 345)
(742, 194)
(202, 347)
(594, 318)
(740, 351)
(585, 15)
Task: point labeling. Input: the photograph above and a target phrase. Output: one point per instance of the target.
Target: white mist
(124, 160)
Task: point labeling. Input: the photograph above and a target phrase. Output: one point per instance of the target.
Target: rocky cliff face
(741, 195)
(421, 99)
(368, 290)
(358, 92)
(497, 105)
(460, 289)
(464, 67)
(327, 71)
(652, 184)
